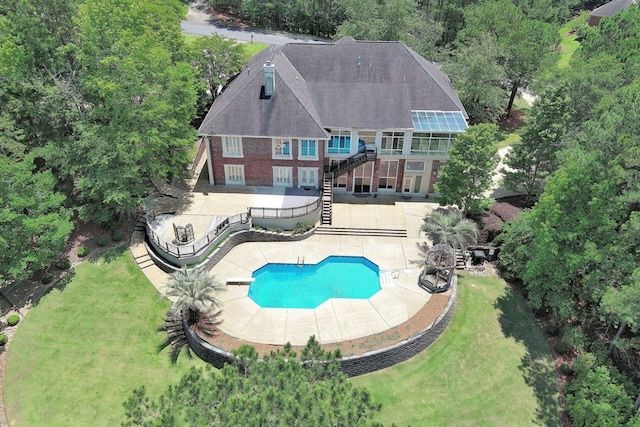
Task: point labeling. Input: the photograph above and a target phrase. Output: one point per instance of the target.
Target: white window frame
(409, 166)
(302, 156)
(232, 146)
(392, 143)
(275, 143)
(431, 144)
(234, 171)
(344, 140)
(308, 173)
(383, 173)
(282, 176)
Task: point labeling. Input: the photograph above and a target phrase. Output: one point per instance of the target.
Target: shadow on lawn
(108, 255)
(539, 373)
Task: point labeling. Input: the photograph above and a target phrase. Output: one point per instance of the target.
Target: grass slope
(491, 367)
(568, 43)
(81, 351)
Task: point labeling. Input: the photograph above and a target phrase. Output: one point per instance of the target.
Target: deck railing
(193, 248)
(282, 213)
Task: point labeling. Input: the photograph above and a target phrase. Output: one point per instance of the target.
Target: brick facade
(258, 161)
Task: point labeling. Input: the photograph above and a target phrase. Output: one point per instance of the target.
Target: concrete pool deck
(337, 319)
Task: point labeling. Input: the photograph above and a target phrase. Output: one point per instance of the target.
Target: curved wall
(352, 365)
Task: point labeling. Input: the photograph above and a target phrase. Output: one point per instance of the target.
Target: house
(350, 116)
(608, 9)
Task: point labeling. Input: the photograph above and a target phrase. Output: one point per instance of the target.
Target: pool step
(386, 278)
(376, 232)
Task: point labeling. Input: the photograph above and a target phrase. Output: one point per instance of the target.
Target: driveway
(200, 23)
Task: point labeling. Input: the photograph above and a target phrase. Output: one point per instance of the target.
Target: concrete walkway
(337, 319)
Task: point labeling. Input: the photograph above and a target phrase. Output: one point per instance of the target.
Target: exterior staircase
(138, 247)
(340, 168)
(460, 263)
(350, 163)
(374, 232)
(327, 199)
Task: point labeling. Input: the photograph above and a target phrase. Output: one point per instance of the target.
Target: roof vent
(269, 79)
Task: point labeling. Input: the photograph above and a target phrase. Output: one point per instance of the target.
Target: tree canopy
(467, 174)
(582, 237)
(534, 157)
(283, 389)
(34, 224)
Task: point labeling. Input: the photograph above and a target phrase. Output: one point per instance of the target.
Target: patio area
(399, 299)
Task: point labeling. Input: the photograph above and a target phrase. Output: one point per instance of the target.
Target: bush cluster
(566, 369)
(552, 330)
(46, 278)
(303, 227)
(561, 347)
(13, 320)
(83, 251)
(64, 264)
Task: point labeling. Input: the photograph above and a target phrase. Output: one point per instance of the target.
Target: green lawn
(80, 352)
(249, 48)
(509, 139)
(569, 42)
(491, 367)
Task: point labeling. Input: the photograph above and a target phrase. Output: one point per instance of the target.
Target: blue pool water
(308, 286)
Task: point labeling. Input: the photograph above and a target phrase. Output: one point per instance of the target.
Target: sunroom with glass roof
(434, 131)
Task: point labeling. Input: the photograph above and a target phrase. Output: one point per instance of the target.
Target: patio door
(363, 178)
(412, 184)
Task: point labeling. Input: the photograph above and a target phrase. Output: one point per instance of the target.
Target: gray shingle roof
(348, 84)
(613, 7)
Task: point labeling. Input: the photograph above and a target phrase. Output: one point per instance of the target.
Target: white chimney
(269, 78)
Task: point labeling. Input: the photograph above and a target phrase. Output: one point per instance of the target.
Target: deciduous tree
(534, 157)
(599, 395)
(477, 74)
(525, 45)
(216, 60)
(468, 171)
(34, 224)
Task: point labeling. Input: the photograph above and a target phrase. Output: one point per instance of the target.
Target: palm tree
(447, 225)
(196, 292)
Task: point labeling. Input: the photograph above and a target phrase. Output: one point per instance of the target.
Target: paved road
(259, 36)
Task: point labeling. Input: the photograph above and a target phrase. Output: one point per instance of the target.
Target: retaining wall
(250, 236)
(351, 365)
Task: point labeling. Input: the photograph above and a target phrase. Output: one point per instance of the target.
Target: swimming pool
(309, 285)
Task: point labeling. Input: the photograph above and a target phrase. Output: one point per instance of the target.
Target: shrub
(46, 278)
(13, 320)
(103, 241)
(561, 347)
(83, 251)
(303, 227)
(566, 369)
(64, 264)
(3, 339)
(117, 236)
(275, 229)
(552, 330)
